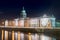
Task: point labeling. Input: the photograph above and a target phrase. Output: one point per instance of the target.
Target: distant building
(44, 21)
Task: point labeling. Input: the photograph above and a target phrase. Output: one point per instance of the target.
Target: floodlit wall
(28, 22)
(53, 22)
(34, 22)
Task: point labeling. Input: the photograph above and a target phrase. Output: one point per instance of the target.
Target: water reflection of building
(26, 22)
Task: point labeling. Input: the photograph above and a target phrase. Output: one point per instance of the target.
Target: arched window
(34, 22)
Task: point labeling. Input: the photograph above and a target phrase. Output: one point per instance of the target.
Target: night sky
(34, 8)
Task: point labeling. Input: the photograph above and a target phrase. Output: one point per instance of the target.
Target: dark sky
(34, 8)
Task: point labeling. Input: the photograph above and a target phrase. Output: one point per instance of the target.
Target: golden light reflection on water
(12, 35)
(21, 36)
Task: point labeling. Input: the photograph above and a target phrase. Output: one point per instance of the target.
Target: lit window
(6, 23)
(16, 22)
(33, 22)
(22, 23)
(2, 22)
(10, 23)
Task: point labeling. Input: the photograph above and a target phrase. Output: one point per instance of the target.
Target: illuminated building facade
(26, 22)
